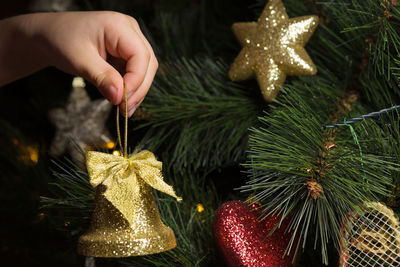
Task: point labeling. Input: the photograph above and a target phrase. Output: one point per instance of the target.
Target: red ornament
(243, 239)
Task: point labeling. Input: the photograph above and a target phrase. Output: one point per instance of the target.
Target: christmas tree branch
(207, 115)
(313, 173)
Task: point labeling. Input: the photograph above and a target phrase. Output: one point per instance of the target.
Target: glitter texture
(243, 240)
(125, 220)
(273, 47)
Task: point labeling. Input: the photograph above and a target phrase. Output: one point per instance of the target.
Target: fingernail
(131, 111)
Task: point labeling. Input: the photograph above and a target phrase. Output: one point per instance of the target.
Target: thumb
(104, 76)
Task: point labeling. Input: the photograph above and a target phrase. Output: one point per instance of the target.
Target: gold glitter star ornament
(273, 47)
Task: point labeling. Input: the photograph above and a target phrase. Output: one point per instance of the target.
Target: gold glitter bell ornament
(125, 220)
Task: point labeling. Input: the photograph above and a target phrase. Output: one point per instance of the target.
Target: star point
(273, 47)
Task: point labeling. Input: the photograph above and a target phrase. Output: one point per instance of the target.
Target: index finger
(126, 44)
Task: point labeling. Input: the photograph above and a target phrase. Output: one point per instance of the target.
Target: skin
(106, 48)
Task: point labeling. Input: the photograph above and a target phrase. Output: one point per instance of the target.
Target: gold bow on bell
(124, 178)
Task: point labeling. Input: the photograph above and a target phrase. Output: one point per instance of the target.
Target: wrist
(33, 33)
(20, 53)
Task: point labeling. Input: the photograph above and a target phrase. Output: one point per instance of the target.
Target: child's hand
(94, 45)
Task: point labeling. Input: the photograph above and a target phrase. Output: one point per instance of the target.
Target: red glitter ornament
(243, 239)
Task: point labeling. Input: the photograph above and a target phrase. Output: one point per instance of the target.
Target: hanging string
(119, 133)
(124, 150)
(126, 124)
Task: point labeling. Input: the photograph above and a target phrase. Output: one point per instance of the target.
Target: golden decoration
(125, 220)
(371, 238)
(273, 47)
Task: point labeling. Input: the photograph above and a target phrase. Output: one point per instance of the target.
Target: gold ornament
(80, 125)
(273, 47)
(371, 239)
(125, 220)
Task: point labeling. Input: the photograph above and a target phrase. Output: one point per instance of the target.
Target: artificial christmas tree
(302, 156)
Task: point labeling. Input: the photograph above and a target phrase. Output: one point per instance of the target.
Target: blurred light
(33, 154)
(41, 216)
(110, 145)
(27, 154)
(78, 82)
(200, 208)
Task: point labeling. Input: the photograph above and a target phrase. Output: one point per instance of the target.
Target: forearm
(20, 50)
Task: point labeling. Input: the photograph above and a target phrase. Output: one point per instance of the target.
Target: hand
(94, 45)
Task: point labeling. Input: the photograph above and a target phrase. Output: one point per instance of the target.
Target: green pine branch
(372, 29)
(288, 152)
(285, 164)
(199, 118)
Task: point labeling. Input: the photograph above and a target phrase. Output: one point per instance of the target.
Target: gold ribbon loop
(120, 175)
(149, 169)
